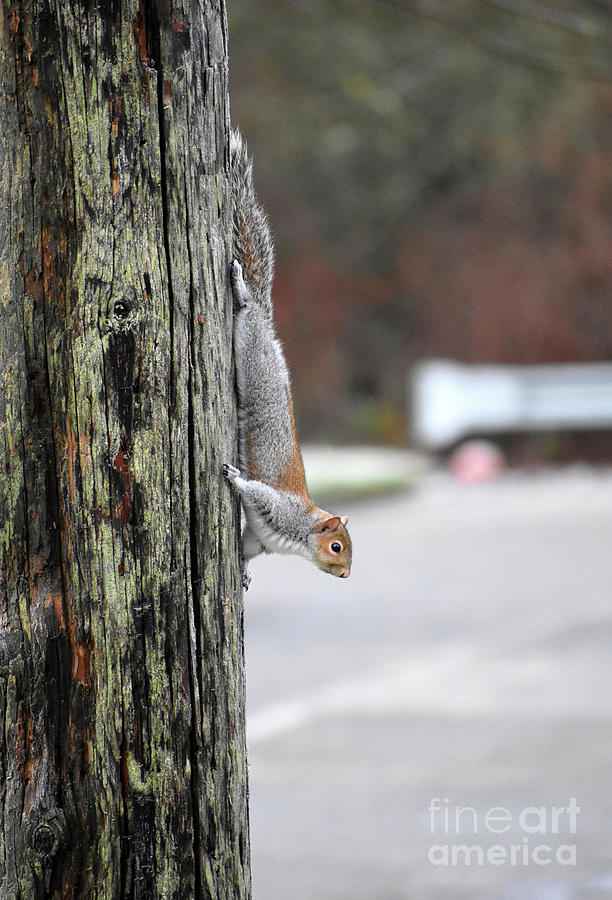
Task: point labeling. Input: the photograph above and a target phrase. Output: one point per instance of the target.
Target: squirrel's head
(333, 549)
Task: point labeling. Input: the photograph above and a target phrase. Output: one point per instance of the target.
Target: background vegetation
(439, 182)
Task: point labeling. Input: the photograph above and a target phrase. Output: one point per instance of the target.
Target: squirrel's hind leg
(240, 290)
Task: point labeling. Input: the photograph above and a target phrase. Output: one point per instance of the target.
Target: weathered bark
(122, 744)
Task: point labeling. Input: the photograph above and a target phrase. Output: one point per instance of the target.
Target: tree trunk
(122, 744)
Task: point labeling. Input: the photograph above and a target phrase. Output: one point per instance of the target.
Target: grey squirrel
(280, 516)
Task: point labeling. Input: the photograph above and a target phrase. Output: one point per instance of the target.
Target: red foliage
(521, 272)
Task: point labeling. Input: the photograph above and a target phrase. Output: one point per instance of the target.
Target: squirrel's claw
(231, 473)
(246, 578)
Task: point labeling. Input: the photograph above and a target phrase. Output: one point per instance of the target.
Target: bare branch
(583, 26)
(577, 65)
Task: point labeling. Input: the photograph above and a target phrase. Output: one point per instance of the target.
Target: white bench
(450, 401)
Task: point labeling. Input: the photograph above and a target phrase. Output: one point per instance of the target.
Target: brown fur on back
(292, 477)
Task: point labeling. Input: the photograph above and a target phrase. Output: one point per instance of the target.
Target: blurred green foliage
(416, 160)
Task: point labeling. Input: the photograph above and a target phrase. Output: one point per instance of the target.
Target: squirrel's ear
(344, 520)
(329, 524)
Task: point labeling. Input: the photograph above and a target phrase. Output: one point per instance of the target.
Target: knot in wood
(48, 836)
(121, 310)
(44, 840)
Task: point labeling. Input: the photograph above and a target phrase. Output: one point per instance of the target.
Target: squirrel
(279, 514)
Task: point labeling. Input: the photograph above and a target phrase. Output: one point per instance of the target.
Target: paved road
(466, 663)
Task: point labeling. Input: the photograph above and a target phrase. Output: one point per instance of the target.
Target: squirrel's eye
(336, 547)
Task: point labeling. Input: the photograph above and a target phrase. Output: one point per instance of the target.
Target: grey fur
(264, 387)
(281, 514)
(276, 520)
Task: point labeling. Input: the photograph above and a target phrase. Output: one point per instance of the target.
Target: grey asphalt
(466, 663)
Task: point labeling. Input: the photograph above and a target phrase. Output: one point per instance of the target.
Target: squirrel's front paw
(231, 473)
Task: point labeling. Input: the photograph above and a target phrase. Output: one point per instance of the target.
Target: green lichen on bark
(121, 656)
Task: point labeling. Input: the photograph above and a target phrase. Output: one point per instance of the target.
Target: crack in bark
(155, 50)
(194, 573)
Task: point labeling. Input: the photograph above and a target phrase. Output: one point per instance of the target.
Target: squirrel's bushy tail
(252, 239)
